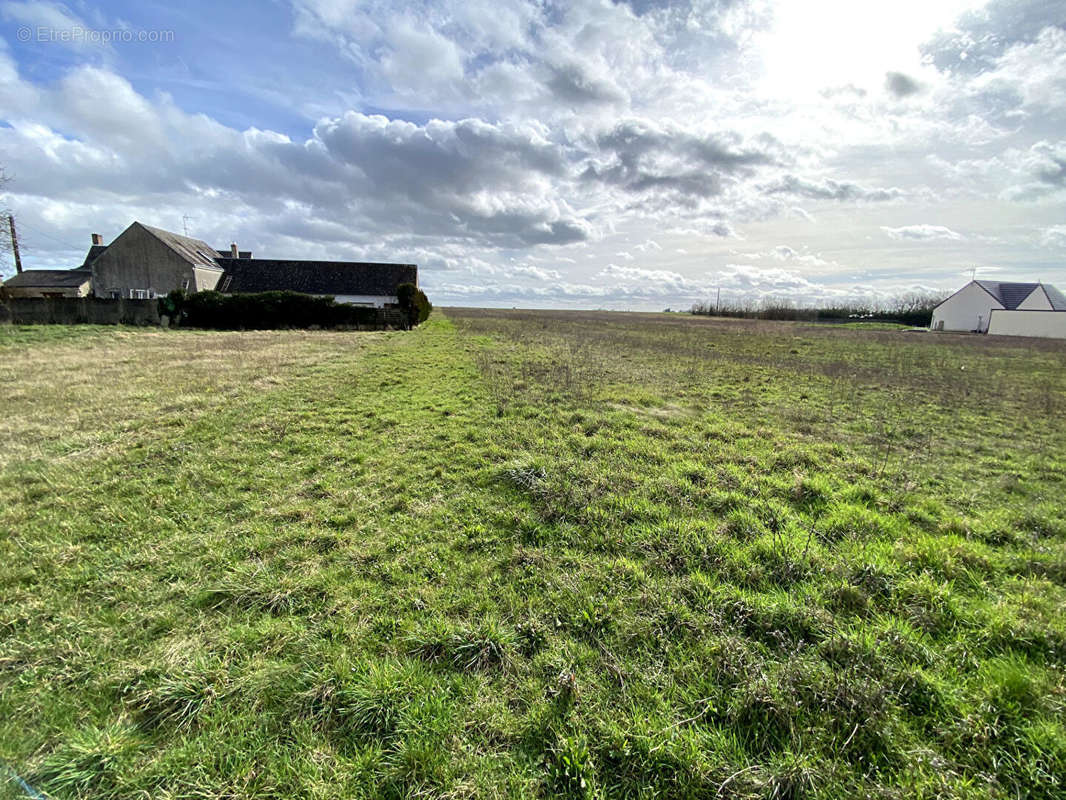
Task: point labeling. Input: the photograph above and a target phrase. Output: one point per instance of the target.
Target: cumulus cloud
(537, 273)
(981, 36)
(641, 156)
(783, 252)
(663, 280)
(760, 280)
(921, 233)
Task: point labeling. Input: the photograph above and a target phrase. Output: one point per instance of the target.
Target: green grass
(532, 554)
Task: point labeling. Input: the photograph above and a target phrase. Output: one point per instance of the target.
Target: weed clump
(487, 645)
(89, 762)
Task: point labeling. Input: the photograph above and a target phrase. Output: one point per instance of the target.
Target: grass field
(532, 554)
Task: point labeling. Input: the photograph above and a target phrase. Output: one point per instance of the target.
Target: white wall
(967, 310)
(375, 300)
(1045, 324)
(1036, 301)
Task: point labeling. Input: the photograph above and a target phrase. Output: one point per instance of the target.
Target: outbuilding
(50, 283)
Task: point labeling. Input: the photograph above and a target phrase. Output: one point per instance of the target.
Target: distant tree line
(911, 308)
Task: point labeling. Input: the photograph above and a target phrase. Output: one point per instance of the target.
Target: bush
(265, 311)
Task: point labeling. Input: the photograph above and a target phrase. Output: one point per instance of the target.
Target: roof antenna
(973, 274)
(185, 222)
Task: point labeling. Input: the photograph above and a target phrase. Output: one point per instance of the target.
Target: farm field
(532, 554)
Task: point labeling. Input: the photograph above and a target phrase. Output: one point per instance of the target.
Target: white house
(1000, 307)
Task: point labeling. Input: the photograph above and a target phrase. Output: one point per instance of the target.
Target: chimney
(233, 251)
(98, 239)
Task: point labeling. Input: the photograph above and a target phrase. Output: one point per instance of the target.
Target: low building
(50, 283)
(1048, 324)
(974, 307)
(354, 282)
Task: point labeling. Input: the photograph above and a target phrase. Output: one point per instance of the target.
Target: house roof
(94, 253)
(195, 251)
(1057, 298)
(248, 275)
(49, 279)
(1009, 294)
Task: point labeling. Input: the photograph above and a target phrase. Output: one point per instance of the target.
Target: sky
(588, 154)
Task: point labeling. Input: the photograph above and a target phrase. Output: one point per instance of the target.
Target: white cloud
(537, 273)
(1054, 236)
(921, 233)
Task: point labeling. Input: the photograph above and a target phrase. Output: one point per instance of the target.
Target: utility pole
(14, 242)
(718, 301)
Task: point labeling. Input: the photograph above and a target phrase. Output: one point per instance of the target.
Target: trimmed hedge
(266, 311)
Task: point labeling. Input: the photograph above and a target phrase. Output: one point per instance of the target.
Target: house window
(116, 294)
(138, 294)
(185, 285)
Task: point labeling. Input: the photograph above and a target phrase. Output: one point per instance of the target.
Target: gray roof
(249, 275)
(1009, 294)
(195, 251)
(94, 253)
(1057, 298)
(49, 279)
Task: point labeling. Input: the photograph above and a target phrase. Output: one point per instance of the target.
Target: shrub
(414, 303)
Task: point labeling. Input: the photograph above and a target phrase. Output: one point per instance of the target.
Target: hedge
(270, 310)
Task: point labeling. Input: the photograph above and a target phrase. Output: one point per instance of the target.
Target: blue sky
(587, 154)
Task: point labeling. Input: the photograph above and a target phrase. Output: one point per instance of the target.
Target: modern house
(1000, 307)
(145, 262)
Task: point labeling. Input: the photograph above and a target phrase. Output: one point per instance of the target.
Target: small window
(185, 285)
(138, 294)
(116, 294)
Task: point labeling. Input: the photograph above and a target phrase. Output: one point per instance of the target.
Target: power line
(22, 223)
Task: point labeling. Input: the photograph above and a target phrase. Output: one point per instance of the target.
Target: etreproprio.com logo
(76, 34)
